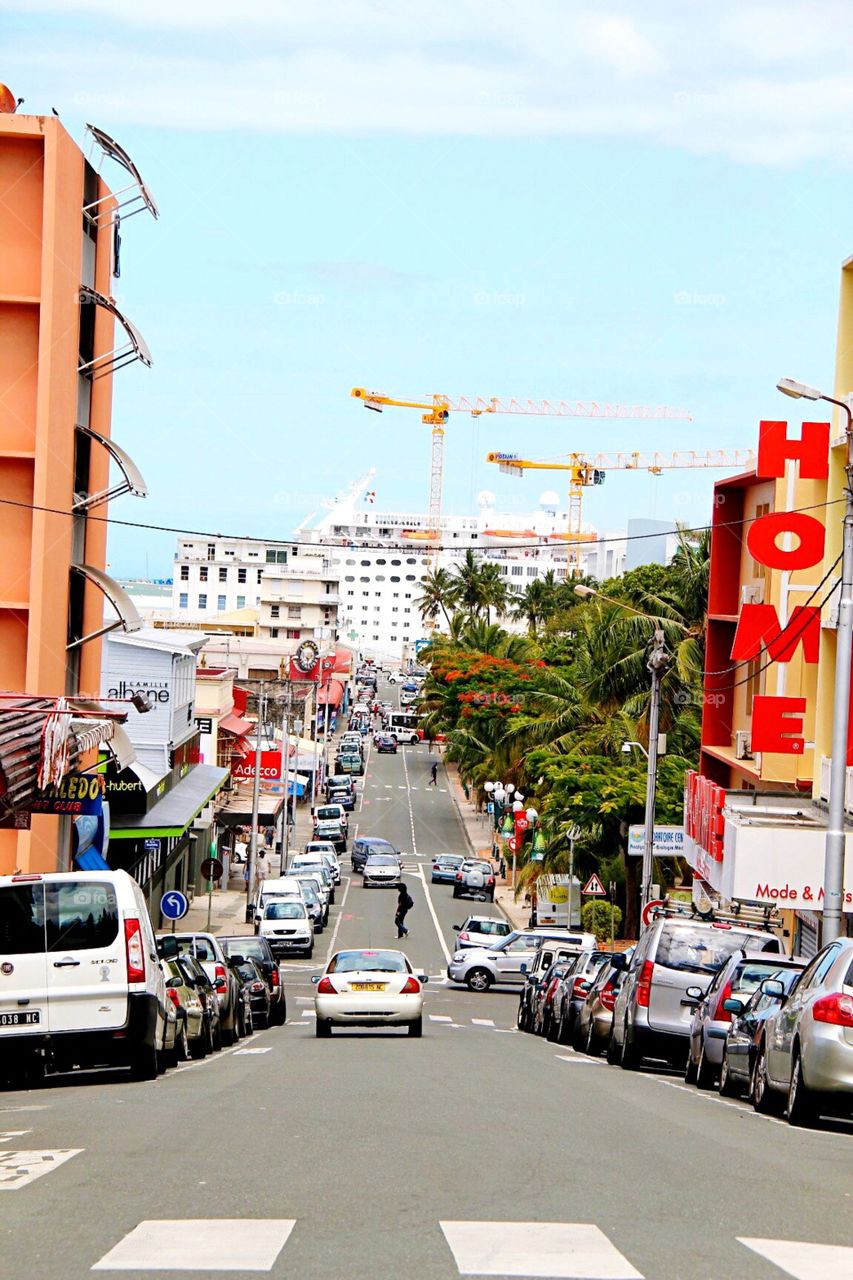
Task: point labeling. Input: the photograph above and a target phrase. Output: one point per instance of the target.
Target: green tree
(438, 595)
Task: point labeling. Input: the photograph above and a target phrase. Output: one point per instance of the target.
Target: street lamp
(833, 858)
(627, 747)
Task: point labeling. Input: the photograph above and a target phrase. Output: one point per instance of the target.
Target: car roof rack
(750, 914)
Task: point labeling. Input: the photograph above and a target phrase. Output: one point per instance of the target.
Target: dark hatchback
(259, 950)
(255, 989)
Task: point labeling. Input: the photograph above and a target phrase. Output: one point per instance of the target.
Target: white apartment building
(293, 588)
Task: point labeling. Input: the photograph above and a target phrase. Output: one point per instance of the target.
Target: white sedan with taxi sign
(369, 988)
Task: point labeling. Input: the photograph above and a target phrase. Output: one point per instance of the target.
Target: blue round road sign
(174, 905)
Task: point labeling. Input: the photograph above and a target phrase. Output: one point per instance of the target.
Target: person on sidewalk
(262, 867)
(433, 779)
(404, 906)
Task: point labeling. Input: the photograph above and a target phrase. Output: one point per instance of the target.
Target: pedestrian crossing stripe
(551, 1250)
(483, 1022)
(240, 1052)
(439, 1017)
(200, 1244)
(20, 1168)
(804, 1260)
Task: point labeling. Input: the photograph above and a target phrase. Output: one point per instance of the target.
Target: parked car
(350, 762)
(572, 992)
(316, 902)
(340, 782)
(480, 931)
(543, 996)
(331, 811)
(737, 979)
(333, 831)
(196, 975)
(287, 886)
(381, 869)
(259, 950)
(385, 743)
(564, 949)
(320, 851)
(255, 989)
(363, 846)
(508, 961)
(369, 988)
(475, 879)
(318, 869)
(746, 1029)
(595, 1016)
(190, 1030)
(445, 866)
(805, 1058)
(674, 953)
(287, 927)
(344, 796)
(207, 949)
(60, 932)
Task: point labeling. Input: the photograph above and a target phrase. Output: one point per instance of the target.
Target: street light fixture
(627, 747)
(833, 858)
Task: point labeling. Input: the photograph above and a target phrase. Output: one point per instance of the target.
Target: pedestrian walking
(262, 867)
(404, 906)
(433, 778)
(269, 836)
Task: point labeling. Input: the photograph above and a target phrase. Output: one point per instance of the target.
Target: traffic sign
(594, 888)
(211, 869)
(648, 912)
(174, 905)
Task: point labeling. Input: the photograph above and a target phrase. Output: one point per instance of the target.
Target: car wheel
(612, 1050)
(520, 1017)
(455, 892)
(416, 1028)
(478, 980)
(551, 1028)
(204, 1045)
(591, 1047)
(630, 1058)
(181, 1050)
(762, 1097)
(802, 1104)
(222, 1036)
(576, 1036)
(705, 1073)
(690, 1069)
(322, 1029)
(309, 951)
(563, 1030)
(144, 1064)
(727, 1086)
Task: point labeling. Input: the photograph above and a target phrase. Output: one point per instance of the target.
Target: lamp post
(833, 857)
(658, 664)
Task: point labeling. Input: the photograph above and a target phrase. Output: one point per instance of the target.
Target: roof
(238, 809)
(175, 812)
(170, 641)
(235, 724)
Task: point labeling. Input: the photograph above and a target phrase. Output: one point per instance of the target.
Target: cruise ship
(380, 557)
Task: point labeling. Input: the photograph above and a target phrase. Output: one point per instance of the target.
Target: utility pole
(256, 797)
(285, 775)
(658, 664)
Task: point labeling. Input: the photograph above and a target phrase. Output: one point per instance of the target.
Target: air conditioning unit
(743, 744)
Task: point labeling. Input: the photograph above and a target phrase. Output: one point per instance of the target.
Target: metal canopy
(132, 483)
(137, 197)
(135, 348)
(128, 618)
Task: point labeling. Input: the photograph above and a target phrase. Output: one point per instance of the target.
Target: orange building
(61, 339)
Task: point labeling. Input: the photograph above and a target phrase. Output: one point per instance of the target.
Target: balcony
(825, 768)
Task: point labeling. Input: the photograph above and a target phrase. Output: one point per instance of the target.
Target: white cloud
(759, 83)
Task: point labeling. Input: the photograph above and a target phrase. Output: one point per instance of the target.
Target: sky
(642, 203)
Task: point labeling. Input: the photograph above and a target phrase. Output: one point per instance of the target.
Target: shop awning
(236, 725)
(331, 695)
(172, 815)
(238, 811)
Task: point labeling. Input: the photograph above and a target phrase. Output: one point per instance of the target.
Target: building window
(274, 610)
(273, 633)
(202, 602)
(394, 608)
(760, 570)
(380, 561)
(185, 573)
(294, 612)
(517, 570)
(254, 554)
(220, 603)
(293, 633)
(260, 573)
(202, 573)
(531, 573)
(394, 578)
(365, 579)
(241, 575)
(211, 550)
(396, 561)
(407, 611)
(241, 602)
(276, 556)
(410, 577)
(223, 574)
(183, 600)
(349, 578)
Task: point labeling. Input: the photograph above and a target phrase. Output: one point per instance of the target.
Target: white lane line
(419, 873)
(343, 903)
(439, 1017)
(483, 1022)
(4, 1110)
(308, 1013)
(804, 1260)
(20, 1168)
(558, 1250)
(13, 1133)
(200, 1244)
(581, 1061)
(246, 1052)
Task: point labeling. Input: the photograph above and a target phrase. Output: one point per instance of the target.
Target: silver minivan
(653, 1012)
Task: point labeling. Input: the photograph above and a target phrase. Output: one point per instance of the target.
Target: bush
(595, 918)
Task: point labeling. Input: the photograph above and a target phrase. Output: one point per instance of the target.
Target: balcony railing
(825, 770)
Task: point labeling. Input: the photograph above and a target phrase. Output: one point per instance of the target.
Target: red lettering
(776, 447)
(777, 724)
(759, 625)
(761, 540)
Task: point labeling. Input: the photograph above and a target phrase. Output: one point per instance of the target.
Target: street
(373, 1155)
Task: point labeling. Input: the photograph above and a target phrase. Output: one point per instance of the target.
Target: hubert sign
(777, 722)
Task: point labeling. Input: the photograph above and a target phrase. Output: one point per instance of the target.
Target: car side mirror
(773, 987)
(733, 1006)
(167, 947)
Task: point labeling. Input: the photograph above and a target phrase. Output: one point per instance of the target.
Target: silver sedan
(381, 869)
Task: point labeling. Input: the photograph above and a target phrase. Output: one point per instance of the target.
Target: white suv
(80, 980)
(509, 961)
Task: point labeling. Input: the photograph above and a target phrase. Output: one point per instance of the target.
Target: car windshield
(250, 947)
(329, 813)
(285, 911)
(698, 950)
(309, 888)
(382, 860)
(497, 928)
(378, 846)
(450, 861)
(369, 962)
(198, 947)
(749, 976)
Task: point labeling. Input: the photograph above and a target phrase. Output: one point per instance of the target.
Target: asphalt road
(341, 1158)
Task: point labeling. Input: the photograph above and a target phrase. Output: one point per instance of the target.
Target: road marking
(439, 1017)
(557, 1250)
(20, 1168)
(483, 1022)
(13, 1133)
(583, 1061)
(248, 1051)
(804, 1260)
(334, 936)
(200, 1244)
(36, 1107)
(309, 1013)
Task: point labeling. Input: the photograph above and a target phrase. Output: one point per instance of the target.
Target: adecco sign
(244, 768)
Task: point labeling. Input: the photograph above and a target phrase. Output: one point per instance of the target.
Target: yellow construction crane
(436, 409)
(589, 469)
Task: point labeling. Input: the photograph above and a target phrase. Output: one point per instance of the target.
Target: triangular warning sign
(594, 888)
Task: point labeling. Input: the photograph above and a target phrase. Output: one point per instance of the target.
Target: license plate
(20, 1019)
(368, 986)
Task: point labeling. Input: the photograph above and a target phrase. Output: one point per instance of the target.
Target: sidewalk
(477, 828)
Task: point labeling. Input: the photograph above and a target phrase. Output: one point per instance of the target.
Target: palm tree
(494, 592)
(468, 585)
(438, 595)
(537, 601)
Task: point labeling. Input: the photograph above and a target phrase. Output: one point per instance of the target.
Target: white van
(80, 980)
(283, 887)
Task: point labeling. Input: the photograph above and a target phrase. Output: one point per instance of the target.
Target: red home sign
(777, 722)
